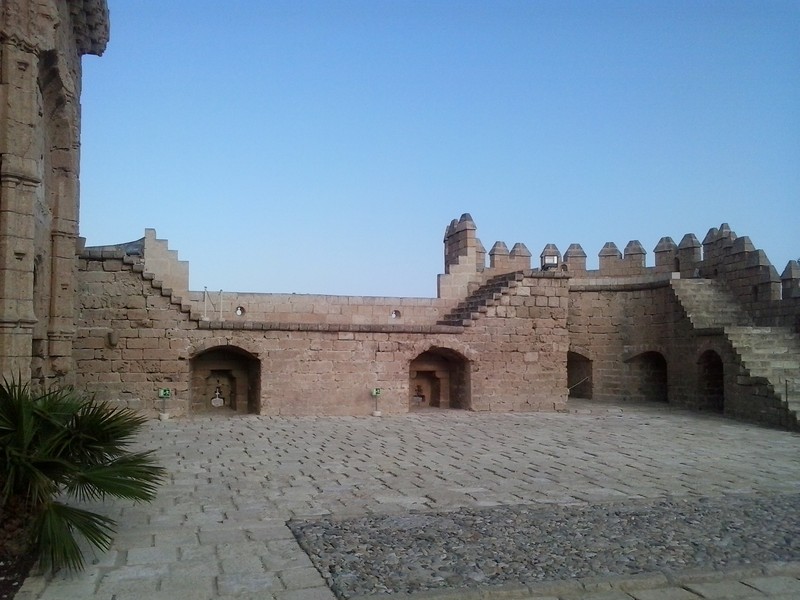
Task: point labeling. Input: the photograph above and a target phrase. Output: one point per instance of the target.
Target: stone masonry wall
(611, 322)
(632, 331)
(41, 44)
(131, 340)
(522, 346)
(317, 308)
(136, 337)
(164, 263)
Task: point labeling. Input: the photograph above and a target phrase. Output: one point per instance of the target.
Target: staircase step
(771, 355)
(487, 295)
(769, 363)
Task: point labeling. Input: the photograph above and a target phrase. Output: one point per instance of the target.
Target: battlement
(770, 298)
(156, 258)
(735, 261)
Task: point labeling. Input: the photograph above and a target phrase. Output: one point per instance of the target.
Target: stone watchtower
(41, 44)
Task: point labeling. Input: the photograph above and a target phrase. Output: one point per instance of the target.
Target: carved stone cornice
(16, 170)
(29, 24)
(16, 178)
(32, 25)
(17, 42)
(13, 323)
(90, 25)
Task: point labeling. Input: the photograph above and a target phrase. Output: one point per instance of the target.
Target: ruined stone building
(709, 326)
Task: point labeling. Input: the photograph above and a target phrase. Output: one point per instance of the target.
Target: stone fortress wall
(304, 354)
(501, 336)
(711, 326)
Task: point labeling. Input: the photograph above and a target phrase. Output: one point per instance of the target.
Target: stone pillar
(464, 259)
(40, 72)
(20, 183)
(520, 257)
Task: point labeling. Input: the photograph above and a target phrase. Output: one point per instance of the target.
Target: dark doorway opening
(579, 375)
(711, 381)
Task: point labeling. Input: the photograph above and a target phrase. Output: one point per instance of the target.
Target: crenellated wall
(306, 355)
(503, 336)
(773, 299)
(710, 326)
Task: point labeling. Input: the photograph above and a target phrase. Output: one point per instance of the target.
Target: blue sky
(324, 146)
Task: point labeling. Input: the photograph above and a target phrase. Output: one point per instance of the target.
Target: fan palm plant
(60, 445)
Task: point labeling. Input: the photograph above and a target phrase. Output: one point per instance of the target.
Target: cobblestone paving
(534, 543)
(218, 528)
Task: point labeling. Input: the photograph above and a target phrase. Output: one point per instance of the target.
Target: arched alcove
(579, 375)
(439, 378)
(225, 380)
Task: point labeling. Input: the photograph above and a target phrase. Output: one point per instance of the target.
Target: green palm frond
(25, 477)
(99, 432)
(56, 526)
(131, 477)
(60, 442)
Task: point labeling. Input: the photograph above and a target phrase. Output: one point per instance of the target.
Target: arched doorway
(439, 378)
(648, 372)
(225, 380)
(579, 375)
(711, 381)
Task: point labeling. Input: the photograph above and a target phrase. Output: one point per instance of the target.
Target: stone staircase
(478, 303)
(769, 354)
(708, 305)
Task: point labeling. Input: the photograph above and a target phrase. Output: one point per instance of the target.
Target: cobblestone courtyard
(218, 528)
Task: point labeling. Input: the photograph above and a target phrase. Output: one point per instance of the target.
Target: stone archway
(225, 380)
(711, 381)
(439, 378)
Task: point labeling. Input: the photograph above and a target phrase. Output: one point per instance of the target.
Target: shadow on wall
(711, 381)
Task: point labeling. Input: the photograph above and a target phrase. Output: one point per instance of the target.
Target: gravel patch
(534, 543)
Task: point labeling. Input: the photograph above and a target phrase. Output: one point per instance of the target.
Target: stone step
(778, 350)
(771, 355)
(476, 304)
(707, 304)
(771, 333)
(770, 330)
(769, 363)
